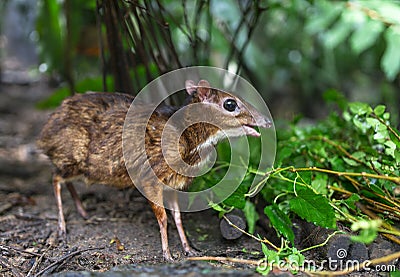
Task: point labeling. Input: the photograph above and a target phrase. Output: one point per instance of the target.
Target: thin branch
(344, 151)
(16, 272)
(21, 251)
(252, 236)
(168, 35)
(225, 259)
(101, 44)
(323, 243)
(155, 33)
(62, 259)
(339, 173)
(233, 39)
(37, 262)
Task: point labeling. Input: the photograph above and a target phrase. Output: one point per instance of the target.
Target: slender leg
(162, 219)
(57, 180)
(178, 222)
(78, 203)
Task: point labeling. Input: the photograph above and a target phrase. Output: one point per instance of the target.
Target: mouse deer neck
(200, 134)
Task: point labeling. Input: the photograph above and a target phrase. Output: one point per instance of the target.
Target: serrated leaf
(366, 35)
(390, 62)
(313, 207)
(280, 221)
(271, 255)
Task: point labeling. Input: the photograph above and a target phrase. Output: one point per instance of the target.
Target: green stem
(323, 243)
(339, 173)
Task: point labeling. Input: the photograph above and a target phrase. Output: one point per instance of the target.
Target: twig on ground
(37, 262)
(225, 259)
(62, 259)
(364, 265)
(11, 267)
(6, 247)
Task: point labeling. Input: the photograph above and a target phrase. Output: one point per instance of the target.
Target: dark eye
(230, 105)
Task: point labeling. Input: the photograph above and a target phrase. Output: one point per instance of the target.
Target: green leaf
(313, 207)
(318, 23)
(283, 154)
(337, 97)
(373, 122)
(337, 34)
(377, 189)
(379, 110)
(350, 161)
(319, 184)
(237, 198)
(251, 216)
(369, 230)
(366, 35)
(280, 221)
(359, 155)
(271, 257)
(365, 236)
(359, 108)
(352, 200)
(390, 62)
(390, 148)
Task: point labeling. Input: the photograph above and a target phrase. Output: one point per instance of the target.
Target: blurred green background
(295, 52)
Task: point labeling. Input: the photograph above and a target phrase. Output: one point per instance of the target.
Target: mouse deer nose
(268, 122)
(263, 122)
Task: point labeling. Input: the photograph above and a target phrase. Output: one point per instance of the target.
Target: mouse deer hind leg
(57, 182)
(78, 204)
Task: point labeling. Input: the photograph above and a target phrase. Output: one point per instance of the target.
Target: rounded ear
(203, 89)
(190, 87)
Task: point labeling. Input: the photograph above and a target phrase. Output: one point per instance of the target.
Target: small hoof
(62, 234)
(167, 257)
(192, 252)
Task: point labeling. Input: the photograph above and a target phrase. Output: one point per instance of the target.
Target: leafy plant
(344, 168)
(363, 23)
